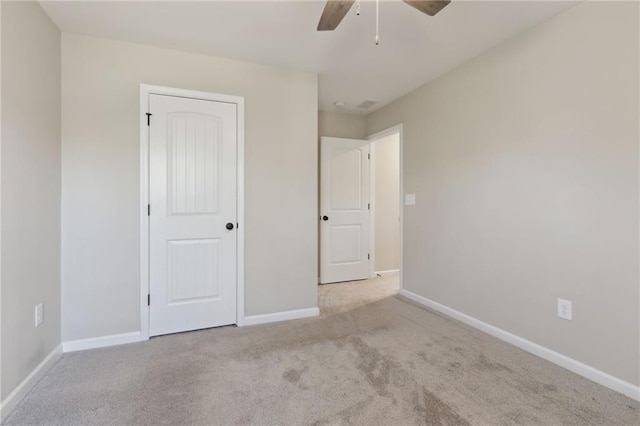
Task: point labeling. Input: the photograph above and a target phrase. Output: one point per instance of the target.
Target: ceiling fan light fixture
(335, 10)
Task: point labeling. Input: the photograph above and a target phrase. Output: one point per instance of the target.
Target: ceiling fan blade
(333, 13)
(430, 7)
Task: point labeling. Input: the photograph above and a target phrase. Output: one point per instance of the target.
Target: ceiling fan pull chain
(377, 19)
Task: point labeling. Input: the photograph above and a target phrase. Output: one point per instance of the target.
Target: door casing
(145, 92)
(372, 240)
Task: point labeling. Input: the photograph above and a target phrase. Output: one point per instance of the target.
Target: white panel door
(192, 235)
(344, 210)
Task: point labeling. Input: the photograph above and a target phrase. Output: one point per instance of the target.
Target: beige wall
(386, 202)
(30, 189)
(338, 125)
(100, 182)
(524, 163)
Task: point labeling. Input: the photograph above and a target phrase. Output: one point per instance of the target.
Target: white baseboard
(389, 272)
(28, 383)
(564, 361)
(101, 342)
(281, 316)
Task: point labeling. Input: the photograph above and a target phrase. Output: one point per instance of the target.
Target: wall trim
(584, 370)
(28, 383)
(101, 342)
(281, 316)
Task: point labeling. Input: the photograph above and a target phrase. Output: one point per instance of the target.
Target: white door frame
(145, 92)
(372, 240)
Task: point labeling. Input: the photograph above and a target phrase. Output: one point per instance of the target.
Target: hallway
(337, 298)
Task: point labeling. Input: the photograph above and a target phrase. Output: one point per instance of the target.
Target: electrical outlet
(39, 314)
(564, 309)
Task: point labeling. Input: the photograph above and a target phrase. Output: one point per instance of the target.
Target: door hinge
(368, 206)
(369, 256)
(368, 156)
(149, 118)
(148, 209)
(148, 300)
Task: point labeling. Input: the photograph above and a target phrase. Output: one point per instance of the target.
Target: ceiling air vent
(367, 104)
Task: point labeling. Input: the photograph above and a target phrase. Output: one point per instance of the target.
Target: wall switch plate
(39, 314)
(409, 199)
(564, 309)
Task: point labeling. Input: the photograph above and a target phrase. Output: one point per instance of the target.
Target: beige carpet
(387, 362)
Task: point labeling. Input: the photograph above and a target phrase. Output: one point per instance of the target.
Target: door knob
(325, 218)
(229, 226)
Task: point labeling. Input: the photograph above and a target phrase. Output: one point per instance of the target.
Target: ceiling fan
(335, 10)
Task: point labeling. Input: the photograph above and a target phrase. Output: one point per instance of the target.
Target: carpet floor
(371, 358)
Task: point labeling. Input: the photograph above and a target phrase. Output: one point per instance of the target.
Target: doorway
(191, 239)
(385, 201)
(360, 217)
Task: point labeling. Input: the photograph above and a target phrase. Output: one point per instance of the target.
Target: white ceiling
(414, 47)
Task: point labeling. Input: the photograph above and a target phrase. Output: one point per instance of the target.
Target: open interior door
(344, 210)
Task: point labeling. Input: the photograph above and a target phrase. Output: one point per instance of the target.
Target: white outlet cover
(565, 309)
(409, 199)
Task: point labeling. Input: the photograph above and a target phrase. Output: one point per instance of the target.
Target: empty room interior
(374, 212)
